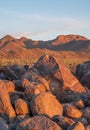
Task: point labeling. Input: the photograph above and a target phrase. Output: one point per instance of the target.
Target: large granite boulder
(46, 103)
(58, 75)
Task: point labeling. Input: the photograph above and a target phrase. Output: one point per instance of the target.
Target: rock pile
(45, 96)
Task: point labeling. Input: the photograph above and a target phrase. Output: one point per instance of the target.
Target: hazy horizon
(44, 20)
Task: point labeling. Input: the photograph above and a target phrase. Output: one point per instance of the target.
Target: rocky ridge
(43, 96)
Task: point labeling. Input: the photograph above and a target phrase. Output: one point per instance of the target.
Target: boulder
(83, 73)
(37, 123)
(49, 67)
(37, 85)
(26, 83)
(34, 80)
(81, 69)
(71, 111)
(13, 72)
(62, 121)
(46, 103)
(76, 126)
(3, 124)
(85, 80)
(9, 85)
(21, 107)
(6, 109)
(67, 96)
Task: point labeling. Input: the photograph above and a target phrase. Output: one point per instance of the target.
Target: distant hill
(64, 46)
(61, 43)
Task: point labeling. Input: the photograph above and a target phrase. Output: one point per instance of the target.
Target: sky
(44, 19)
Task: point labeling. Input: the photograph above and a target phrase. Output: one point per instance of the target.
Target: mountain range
(66, 46)
(61, 43)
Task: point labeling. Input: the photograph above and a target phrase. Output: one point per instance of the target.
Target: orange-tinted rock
(38, 123)
(26, 83)
(37, 89)
(6, 109)
(71, 111)
(10, 86)
(46, 103)
(76, 126)
(21, 107)
(37, 86)
(50, 66)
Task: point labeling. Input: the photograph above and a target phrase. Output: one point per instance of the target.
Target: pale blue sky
(44, 19)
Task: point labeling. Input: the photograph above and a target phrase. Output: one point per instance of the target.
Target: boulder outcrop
(45, 103)
(44, 96)
(83, 73)
(49, 67)
(21, 107)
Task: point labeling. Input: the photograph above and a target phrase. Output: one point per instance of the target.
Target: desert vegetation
(69, 63)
